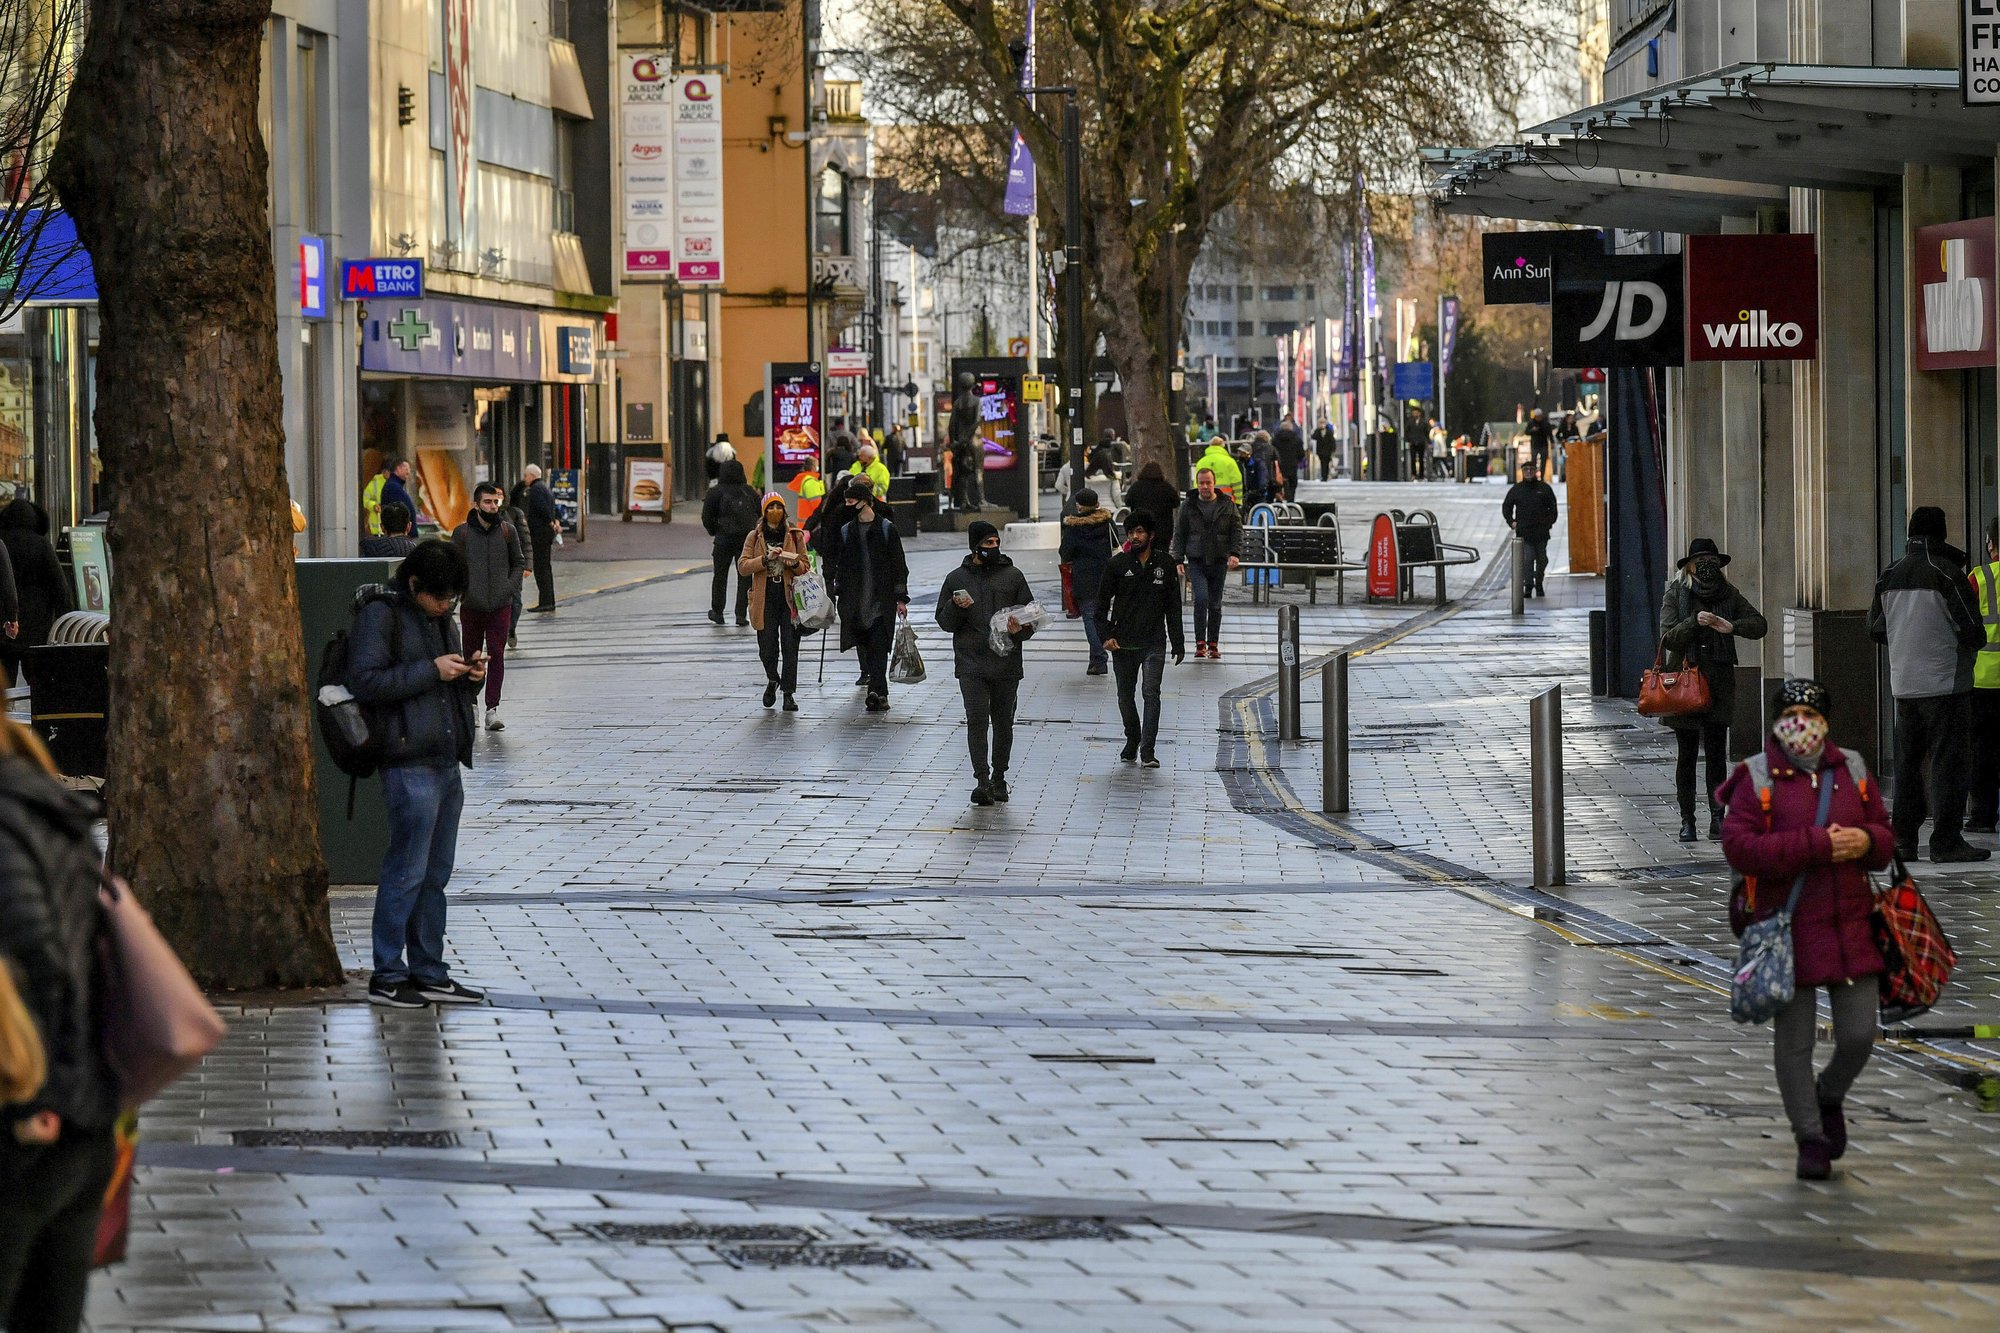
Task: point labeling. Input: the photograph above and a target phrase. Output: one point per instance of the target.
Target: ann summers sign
(1979, 56)
(1518, 264)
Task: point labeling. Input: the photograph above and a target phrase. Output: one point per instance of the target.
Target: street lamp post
(1070, 260)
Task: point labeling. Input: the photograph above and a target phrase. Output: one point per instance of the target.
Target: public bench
(1399, 545)
(1278, 541)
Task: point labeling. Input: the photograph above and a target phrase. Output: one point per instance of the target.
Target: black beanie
(978, 531)
(1927, 522)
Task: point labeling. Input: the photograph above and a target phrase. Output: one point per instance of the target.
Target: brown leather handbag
(1672, 693)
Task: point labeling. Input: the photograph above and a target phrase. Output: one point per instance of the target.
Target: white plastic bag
(906, 664)
(812, 604)
(1031, 615)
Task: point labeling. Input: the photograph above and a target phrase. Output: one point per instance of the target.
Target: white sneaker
(493, 722)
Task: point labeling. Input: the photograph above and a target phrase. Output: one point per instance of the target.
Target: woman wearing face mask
(773, 555)
(1700, 621)
(1795, 839)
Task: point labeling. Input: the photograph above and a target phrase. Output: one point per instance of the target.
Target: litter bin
(353, 848)
(69, 697)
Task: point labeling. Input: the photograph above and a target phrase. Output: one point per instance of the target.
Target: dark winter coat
(543, 517)
(1291, 447)
(1830, 929)
(1208, 531)
(1155, 496)
(731, 510)
(387, 548)
(49, 924)
(395, 493)
(995, 585)
(39, 583)
(1139, 604)
(1711, 650)
(1086, 547)
(884, 550)
(1530, 509)
(495, 560)
(1324, 441)
(1924, 612)
(426, 721)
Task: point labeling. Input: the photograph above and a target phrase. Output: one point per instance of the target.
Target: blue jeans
(424, 805)
(1209, 577)
(1088, 610)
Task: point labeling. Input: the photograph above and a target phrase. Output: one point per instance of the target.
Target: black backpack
(739, 512)
(347, 727)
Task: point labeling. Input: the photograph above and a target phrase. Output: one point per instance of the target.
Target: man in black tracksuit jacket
(986, 584)
(1138, 615)
(1924, 612)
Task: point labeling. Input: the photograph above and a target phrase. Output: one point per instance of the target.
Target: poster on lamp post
(697, 103)
(646, 129)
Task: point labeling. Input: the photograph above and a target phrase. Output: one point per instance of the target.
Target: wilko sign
(1519, 264)
(1383, 576)
(1752, 298)
(1953, 295)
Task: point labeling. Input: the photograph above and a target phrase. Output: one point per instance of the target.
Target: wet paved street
(785, 1034)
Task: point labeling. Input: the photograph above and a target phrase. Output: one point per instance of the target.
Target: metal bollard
(1519, 552)
(1545, 730)
(1333, 733)
(1289, 725)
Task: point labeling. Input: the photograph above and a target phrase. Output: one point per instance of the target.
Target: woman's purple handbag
(154, 1022)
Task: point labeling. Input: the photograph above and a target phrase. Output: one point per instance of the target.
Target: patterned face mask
(1802, 734)
(1707, 572)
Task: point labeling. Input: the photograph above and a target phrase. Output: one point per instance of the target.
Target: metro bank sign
(381, 279)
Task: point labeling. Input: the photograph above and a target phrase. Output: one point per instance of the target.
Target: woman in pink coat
(1772, 836)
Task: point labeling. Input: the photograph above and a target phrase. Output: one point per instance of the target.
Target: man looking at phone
(494, 565)
(406, 666)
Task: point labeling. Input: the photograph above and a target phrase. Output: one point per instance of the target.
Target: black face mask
(984, 554)
(1708, 573)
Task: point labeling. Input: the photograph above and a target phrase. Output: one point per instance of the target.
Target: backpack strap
(1857, 768)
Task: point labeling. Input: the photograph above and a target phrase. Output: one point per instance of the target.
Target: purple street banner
(1019, 200)
(1447, 331)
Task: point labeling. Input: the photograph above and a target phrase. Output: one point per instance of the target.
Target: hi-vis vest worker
(810, 490)
(1986, 666)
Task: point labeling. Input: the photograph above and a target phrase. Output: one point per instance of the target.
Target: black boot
(1715, 826)
(1687, 828)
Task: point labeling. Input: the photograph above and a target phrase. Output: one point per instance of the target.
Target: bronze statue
(968, 448)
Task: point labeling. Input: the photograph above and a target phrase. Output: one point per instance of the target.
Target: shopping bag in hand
(812, 604)
(1920, 958)
(906, 664)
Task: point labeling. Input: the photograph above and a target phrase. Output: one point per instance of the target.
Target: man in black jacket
(1530, 510)
(729, 512)
(544, 522)
(1923, 610)
(985, 584)
(406, 666)
(397, 538)
(871, 584)
(1291, 447)
(494, 564)
(1138, 615)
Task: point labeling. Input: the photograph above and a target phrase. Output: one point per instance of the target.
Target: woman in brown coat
(773, 555)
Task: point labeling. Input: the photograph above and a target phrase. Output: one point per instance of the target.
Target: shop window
(830, 218)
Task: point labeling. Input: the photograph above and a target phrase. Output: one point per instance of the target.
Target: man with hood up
(986, 584)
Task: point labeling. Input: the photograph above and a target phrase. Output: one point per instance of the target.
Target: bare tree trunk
(211, 789)
(1131, 294)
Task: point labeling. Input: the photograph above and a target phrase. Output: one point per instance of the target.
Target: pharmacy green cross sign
(411, 330)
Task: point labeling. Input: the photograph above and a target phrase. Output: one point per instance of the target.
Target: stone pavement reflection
(1306, 1073)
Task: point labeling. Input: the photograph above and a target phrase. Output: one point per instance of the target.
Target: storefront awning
(1683, 156)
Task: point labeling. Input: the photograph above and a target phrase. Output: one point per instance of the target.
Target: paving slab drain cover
(819, 1256)
(344, 1138)
(699, 1232)
(1004, 1228)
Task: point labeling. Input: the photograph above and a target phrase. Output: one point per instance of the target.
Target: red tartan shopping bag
(1920, 958)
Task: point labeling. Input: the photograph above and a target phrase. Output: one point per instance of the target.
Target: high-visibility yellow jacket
(1228, 476)
(810, 490)
(1986, 666)
(878, 475)
(371, 505)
